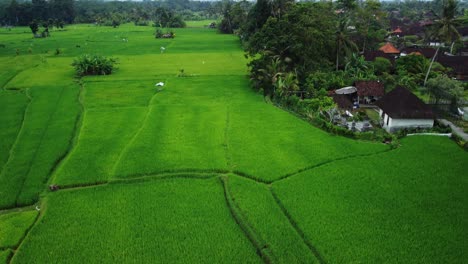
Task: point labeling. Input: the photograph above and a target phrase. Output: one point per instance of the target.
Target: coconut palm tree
(265, 72)
(343, 43)
(445, 28)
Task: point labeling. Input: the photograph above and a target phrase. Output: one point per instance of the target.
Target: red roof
(389, 48)
(397, 30)
(369, 88)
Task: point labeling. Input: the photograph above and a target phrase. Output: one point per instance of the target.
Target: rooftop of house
(397, 30)
(426, 52)
(401, 103)
(369, 88)
(459, 64)
(388, 48)
(343, 101)
(370, 55)
(463, 31)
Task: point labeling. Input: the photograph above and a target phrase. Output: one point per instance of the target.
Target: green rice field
(203, 169)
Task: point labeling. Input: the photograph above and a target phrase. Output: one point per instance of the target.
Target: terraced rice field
(203, 170)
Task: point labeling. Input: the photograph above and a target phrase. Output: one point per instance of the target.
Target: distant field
(201, 169)
(200, 23)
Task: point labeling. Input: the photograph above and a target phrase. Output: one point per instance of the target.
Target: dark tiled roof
(426, 52)
(370, 55)
(463, 31)
(369, 88)
(401, 103)
(459, 64)
(343, 101)
(413, 29)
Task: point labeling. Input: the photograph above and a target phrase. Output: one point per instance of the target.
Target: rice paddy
(201, 169)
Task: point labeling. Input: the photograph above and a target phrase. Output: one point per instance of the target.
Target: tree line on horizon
(22, 13)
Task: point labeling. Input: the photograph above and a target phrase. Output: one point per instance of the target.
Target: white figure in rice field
(163, 49)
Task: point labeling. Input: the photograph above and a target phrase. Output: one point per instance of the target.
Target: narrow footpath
(456, 130)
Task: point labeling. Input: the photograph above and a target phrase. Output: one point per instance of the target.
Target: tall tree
(444, 28)
(301, 37)
(40, 9)
(443, 87)
(63, 10)
(344, 44)
(369, 24)
(12, 12)
(234, 15)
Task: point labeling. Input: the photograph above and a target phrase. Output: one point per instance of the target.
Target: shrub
(34, 27)
(89, 64)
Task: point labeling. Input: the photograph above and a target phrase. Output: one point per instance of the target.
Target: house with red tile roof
(397, 31)
(388, 48)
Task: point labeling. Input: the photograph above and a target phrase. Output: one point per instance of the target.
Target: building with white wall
(401, 109)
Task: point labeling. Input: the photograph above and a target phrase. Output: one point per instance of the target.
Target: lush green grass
(13, 105)
(177, 138)
(162, 221)
(5, 255)
(103, 136)
(118, 94)
(55, 72)
(47, 130)
(278, 236)
(398, 207)
(13, 227)
(274, 143)
(373, 115)
(200, 23)
(78, 39)
(11, 66)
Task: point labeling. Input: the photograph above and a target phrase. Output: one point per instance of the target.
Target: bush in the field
(90, 64)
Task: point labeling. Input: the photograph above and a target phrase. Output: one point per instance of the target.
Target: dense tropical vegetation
(304, 49)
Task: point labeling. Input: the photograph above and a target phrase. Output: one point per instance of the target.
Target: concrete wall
(394, 124)
(397, 124)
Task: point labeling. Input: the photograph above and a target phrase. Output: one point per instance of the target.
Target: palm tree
(358, 68)
(445, 28)
(286, 83)
(265, 73)
(343, 43)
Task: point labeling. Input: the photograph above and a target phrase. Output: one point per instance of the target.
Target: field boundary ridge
(261, 247)
(294, 224)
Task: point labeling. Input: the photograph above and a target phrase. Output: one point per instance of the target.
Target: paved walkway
(456, 130)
